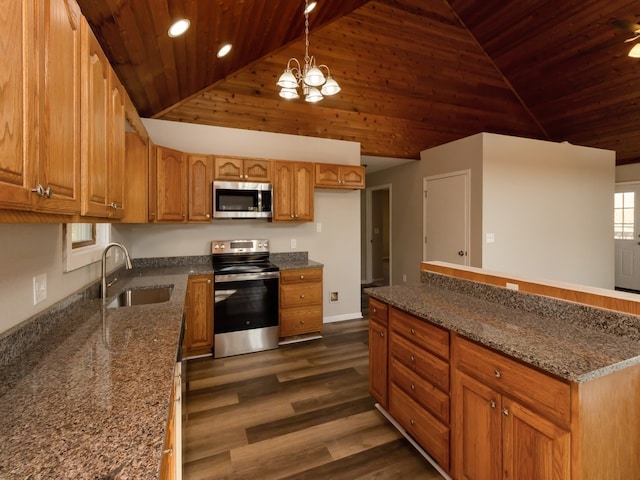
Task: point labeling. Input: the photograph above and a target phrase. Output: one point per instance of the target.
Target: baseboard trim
(341, 318)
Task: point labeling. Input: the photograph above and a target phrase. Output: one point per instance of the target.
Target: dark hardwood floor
(299, 412)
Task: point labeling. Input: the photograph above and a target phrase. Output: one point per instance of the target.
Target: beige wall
(551, 199)
(628, 173)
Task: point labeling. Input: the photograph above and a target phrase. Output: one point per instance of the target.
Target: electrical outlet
(293, 243)
(512, 286)
(318, 227)
(39, 288)
(404, 278)
(333, 297)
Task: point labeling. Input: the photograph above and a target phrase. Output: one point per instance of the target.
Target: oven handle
(238, 277)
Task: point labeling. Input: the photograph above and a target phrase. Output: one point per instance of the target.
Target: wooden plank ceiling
(414, 73)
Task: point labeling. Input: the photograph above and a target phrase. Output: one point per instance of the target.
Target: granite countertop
(571, 350)
(91, 399)
(293, 260)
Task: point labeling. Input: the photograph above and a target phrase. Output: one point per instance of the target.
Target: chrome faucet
(127, 264)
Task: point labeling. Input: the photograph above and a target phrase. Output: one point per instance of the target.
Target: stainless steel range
(246, 297)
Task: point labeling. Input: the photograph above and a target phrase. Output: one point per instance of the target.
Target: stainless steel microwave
(242, 200)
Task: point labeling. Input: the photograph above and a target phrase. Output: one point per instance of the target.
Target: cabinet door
(228, 169)
(200, 178)
(327, 175)
(532, 446)
(199, 313)
(95, 106)
(478, 431)
(116, 122)
(378, 354)
(303, 192)
(172, 185)
(153, 182)
(137, 175)
(257, 170)
(283, 201)
(17, 103)
(352, 176)
(59, 156)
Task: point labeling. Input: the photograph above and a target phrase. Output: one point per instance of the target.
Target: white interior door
(446, 218)
(627, 235)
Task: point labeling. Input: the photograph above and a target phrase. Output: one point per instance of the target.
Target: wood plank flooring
(299, 412)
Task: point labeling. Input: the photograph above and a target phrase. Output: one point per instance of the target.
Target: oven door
(245, 301)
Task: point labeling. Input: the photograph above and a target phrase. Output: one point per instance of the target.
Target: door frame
(467, 210)
(369, 233)
(634, 183)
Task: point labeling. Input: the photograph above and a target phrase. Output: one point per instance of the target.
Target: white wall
(337, 246)
(628, 173)
(549, 205)
(550, 208)
(30, 250)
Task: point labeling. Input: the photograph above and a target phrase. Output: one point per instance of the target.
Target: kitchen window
(83, 243)
(623, 215)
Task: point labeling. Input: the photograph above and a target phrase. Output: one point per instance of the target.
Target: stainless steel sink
(141, 296)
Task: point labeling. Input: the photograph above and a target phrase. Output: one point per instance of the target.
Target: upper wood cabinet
(40, 97)
(137, 175)
(293, 192)
(242, 169)
(200, 168)
(103, 144)
(339, 176)
(171, 168)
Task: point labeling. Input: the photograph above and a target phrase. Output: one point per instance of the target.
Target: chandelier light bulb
(287, 79)
(289, 93)
(313, 95)
(314, 77)
(330, 87)
(635, 51)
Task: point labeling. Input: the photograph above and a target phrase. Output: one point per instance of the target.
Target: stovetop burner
(241, 256)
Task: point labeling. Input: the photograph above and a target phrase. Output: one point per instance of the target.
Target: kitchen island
(91, 398)
(495, 383)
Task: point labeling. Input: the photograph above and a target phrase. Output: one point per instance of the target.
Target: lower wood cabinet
(378, 351)
(198, 309)
(300, 301)
(171, 461)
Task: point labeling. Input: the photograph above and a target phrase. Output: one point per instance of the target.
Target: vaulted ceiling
(414, 73)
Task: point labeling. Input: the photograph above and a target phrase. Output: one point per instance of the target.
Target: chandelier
(309, 77)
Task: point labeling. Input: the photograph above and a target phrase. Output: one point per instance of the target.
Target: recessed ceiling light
(224, 49)
(179, 27)
(310, 7)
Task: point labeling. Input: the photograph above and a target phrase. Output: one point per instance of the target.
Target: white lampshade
(314, 77)
(331, 87)
(287, 80)
(289, 93)
(313, 95)
(635, 51)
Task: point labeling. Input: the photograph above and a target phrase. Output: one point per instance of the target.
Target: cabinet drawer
(301, 275)
(378, 311)
(420, 361)
(301, 294)
(432, 435)
(541, 392)
(420, 390)
(428, 336)
(299, 320)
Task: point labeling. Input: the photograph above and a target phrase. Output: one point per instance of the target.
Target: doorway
(627, 236)
(378, 235)
(446, 221)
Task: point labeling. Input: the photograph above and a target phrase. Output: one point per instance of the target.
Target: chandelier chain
(306, 32)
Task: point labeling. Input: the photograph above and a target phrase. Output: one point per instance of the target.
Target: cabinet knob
(302, 295)
(413, 332)
(413, 359)
(208, 216)
(209, 281)
(497, 373)
(382, 334)
(505, 412)
(375, 310)
(292, 216)
(413, 387)
(42, 192)
(301, 277)
(492, 403)
(301, 322)
(412, 422)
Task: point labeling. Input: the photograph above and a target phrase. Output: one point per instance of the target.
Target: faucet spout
(127, 264)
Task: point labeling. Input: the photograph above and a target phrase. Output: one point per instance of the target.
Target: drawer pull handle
(382, 334)
(412, 422)
(505, 412)
(413, 387)
(492, 403)
(497, 373)
(413, 332)
(168, 451)
(413, 359)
